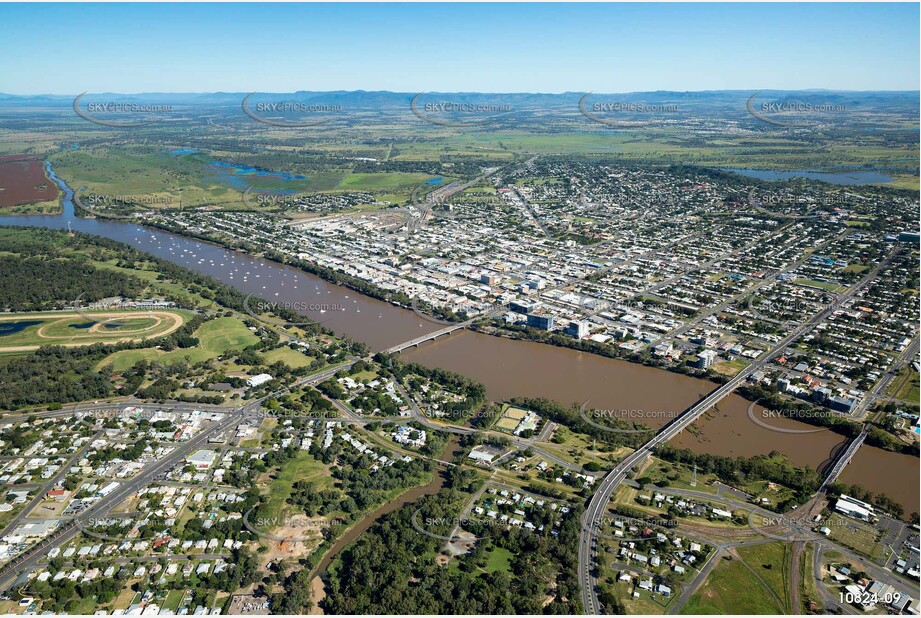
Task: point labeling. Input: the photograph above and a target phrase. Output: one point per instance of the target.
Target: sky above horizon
(130, 48)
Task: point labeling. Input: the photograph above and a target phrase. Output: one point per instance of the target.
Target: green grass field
(74, 330)
(71, 328)
(143, 172)
(822, 285)
(905, 181)
(383, 182)
(498, 559)
(677, 476)
(667, 145)
(224, 335)
(201, 179)
(364, 376)
(302, 468)
(732, 589)
(152, 168)
(291, 358)
(730, 368)
(772, 562)
(907, 386)
(126, 359)
(172, 600)
(215, 337)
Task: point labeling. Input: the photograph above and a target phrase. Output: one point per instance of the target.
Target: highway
(113, 406)
(30, 557)
(598, 504)
(446, 330)
(843, 460)
(49, 485)
(442, 194)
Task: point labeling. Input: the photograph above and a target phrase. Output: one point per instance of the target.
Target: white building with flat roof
(483, 453)
(203, 459)
(256, 380)
(854, 508)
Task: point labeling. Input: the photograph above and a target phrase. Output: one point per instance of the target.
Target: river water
(861, 177)
(628, 390)
(507, 368)
(870, 468)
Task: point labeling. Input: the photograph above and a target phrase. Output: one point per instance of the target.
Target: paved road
(51, 484)
(28, 559)
(442, 194)
(113, 406)
(520, 443)
(843, 459)
(446, 330)
(908, 355)
(827, 600)
(599, 501)
(747, 292)
(720, 497)
(688, 591)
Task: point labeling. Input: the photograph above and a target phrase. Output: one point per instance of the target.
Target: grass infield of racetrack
(70, 328)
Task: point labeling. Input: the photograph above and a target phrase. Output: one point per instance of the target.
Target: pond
(11, 328)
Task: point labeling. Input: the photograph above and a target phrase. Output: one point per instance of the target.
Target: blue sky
(71, 48)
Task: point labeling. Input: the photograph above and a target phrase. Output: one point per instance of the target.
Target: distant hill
(382, 99)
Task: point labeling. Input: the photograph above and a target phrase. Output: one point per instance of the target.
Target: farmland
(24, 187)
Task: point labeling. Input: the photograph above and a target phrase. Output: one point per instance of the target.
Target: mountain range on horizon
(385, 98)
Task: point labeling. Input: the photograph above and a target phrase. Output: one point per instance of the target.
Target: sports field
(215, 337)
(24, 332)
(510, 419)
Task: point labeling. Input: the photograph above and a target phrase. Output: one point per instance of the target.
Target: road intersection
(598, 504)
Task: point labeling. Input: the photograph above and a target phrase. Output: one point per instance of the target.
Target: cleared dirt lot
(23, 181)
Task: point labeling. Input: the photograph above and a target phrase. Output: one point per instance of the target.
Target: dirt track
(95, 337)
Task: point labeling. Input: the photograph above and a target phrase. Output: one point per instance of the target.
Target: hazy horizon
(413, 92)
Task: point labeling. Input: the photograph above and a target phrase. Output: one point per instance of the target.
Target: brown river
(512, 368)
(893, 473)
(651, 396)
